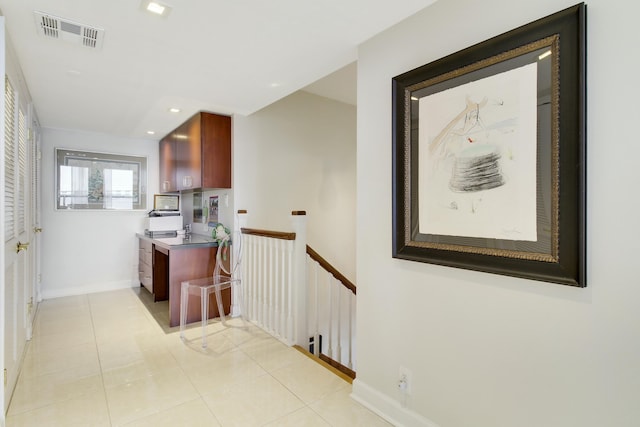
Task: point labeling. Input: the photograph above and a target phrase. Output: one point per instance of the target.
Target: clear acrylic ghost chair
(221, 279)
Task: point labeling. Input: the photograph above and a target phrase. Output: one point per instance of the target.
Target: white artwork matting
(477, 158)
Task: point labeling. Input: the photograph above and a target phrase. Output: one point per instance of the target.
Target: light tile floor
(110, 359)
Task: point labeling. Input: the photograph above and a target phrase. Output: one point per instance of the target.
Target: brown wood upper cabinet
(168, 164)
(197, 154)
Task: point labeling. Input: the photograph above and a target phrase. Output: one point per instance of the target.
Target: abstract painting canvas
(477, 146)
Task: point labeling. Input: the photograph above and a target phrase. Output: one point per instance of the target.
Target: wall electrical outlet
(405, 380)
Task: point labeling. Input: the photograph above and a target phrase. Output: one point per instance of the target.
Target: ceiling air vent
(64, 29)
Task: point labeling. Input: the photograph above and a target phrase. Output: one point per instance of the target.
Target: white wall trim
(89, 289)
(387, 408)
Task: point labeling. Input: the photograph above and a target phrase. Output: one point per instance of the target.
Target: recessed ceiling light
(150, 132)
(155, 7)
(174, 110)
(275, 84)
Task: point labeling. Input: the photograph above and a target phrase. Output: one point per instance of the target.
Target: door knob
(37, 230)
(22, 247)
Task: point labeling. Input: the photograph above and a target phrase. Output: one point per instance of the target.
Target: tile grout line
(21, 378)
(304, 404)
(95, 340)
(200, 396)
(167, 331)
(234, 342)
(24, 357)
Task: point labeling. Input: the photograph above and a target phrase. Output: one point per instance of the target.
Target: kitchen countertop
(181, 242)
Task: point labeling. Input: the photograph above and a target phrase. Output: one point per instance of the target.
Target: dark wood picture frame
(555, 250)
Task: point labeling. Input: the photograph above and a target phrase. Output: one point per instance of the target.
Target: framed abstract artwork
(489, 151)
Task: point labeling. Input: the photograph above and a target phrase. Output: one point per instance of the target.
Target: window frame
(63, 155)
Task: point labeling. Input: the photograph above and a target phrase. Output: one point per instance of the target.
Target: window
(88, 180)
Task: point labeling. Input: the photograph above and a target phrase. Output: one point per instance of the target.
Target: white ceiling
(234, 56)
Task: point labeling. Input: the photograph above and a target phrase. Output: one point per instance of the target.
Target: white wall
(90, 251)
(299, 154)
(488, 350)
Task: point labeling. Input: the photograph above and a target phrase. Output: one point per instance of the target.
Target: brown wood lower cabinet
(186, 264)
(172, 266)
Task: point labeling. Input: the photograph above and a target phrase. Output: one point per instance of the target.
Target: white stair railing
(297, 296)
(332, 309)
(273, 279)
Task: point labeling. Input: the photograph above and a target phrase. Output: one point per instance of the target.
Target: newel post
(239, 224)
(299, 222)
(242, 220)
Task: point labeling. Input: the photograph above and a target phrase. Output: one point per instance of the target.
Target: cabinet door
(216, 151)
(168, 164)
(189, 154)
(145, 264)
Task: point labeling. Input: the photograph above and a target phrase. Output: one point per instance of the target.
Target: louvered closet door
(17, 221)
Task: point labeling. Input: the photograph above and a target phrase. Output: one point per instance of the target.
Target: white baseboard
(88, 289)
(386, 407)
